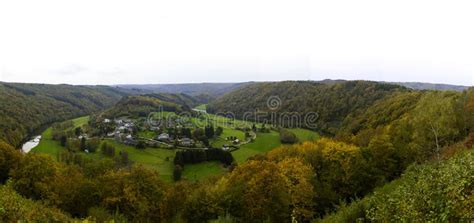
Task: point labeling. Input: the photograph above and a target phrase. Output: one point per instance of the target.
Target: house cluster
(165, 137)
(123, 131)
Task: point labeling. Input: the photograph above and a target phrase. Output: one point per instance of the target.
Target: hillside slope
(331, 101)
(143, 105)
(203, 91)
(27, 107)
(439, 191)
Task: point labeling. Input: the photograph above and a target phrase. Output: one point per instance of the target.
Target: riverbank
(28, 146)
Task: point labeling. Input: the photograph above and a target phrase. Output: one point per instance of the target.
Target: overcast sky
(175, 41)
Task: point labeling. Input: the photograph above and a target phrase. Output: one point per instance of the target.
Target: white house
(163, 137)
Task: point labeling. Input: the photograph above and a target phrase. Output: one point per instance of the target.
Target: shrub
(287, 137)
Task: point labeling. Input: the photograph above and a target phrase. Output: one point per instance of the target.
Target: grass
(201, 171)
(220, 141)
(147, 134)
(49, 146)
(201, 107)
(305, 134)
(158, 159)
(162, 159)
(264, 143)
(79, 122)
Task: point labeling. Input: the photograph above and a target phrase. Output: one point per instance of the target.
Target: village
(169, 132)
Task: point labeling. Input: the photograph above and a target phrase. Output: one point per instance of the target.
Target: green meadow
(201, 171)
(48, 145)
(161, 159)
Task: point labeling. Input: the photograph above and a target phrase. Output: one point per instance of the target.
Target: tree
(83, 144)
(257, 191)
(254, 127)
(63, 140)
(186, 132)
(287, 137)
(298, 178)
(107, 150)
(124, 161)
(219, 131)
(9, 160)
(136, 193)
(174, 199)
(384, 156)
(435, 120)
(140, 145)
(199, 134)
(78, 131)
(39, 177)
(177, 172)
(92, 145)
(202, 204)
(209, 131)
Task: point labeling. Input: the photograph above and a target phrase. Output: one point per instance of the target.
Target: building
(186, 142)
(163, 137)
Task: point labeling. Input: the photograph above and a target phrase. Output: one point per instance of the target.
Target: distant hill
(27, 107)
(143, 105)
(429, 86)
(206, 92)
(332, 100)
(202, 91)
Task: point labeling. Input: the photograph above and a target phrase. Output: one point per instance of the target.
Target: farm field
(200, 171)
(264, 143)
(305, 134)
(48, 145)
(158, 159)
(161, 160)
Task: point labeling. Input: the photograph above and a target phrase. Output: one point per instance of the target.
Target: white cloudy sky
(175, 41)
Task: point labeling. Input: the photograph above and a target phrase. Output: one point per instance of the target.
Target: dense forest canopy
(332, 101)
(26, 107)
(143, 105)
(204, 91)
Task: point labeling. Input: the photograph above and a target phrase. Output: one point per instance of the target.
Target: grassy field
(147, 134)
(200, 171)
(305, 134)
(202, 107)
(154, 158)
(79, 122)
(49, 146)
(268, 141)
(162, 159)
(264, 143)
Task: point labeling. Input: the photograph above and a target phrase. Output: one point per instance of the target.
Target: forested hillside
(143, 105)
(180, 99)
(203, 91)
(429, 86)
(26, 107)
(332, 101)
(439, 191)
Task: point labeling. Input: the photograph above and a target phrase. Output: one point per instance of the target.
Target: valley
(160, 157)
(329, 151)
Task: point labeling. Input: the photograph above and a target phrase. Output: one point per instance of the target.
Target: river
(28, 146)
